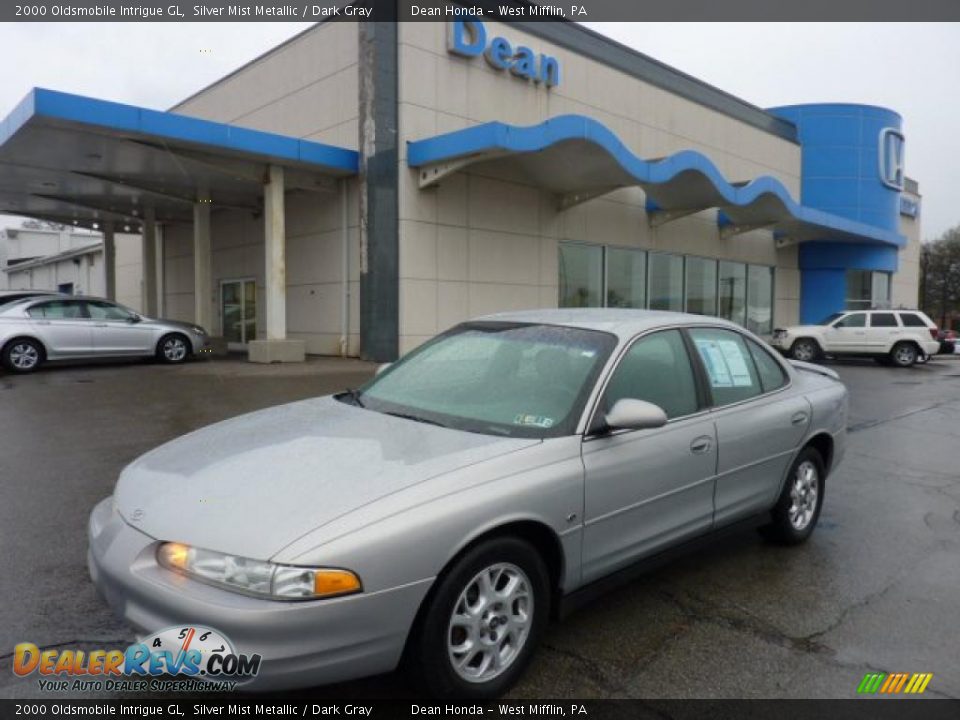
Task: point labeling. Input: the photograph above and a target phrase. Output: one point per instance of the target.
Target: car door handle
(700, 445)
(798, 418)
(42, 322)
(100, 325)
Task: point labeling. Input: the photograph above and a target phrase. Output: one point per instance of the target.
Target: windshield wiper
(355, 396)
(415, 418)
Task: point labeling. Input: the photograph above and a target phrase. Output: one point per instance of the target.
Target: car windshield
(516, 380)
(830, 318)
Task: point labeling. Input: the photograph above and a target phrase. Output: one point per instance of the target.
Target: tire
(22, 355)
(509, 567)
(173, 349)
(805, 350)
(904, 354)
(795, 515)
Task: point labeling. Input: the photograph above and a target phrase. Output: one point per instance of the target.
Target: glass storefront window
(665, 281)
(701, 286)
(760, 299)
(626, 278)
(880, 289)
(581, 275)
(605, 276)
(858, 289)
(733, 292)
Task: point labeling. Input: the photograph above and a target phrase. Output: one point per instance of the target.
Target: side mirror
(632, 414)
(382, 367)
(133, 319)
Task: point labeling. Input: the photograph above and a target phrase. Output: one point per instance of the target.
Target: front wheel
(805, 350)
(173, 348)
(482, 623)
(795, 515)
(22, 355)
(904, 354)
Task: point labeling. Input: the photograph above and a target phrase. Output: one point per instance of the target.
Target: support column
(109, 261)
(202, 267)
(148, 301)
(276, 347)
(161, 273)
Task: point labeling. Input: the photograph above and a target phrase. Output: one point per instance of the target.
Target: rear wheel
(173, 348)
(795, 515)
(22, 355)
(904, 354)
(483, 621)
(805, 350)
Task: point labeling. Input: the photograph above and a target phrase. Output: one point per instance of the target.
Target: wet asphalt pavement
(877, 588)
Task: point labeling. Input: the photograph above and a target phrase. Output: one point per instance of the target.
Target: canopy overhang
(578, 158)
(84, 161)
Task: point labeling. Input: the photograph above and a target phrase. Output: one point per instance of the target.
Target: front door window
(238, 311)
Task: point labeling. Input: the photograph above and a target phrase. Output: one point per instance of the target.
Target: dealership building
(366, 185)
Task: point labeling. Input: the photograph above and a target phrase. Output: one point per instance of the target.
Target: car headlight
(282, 582)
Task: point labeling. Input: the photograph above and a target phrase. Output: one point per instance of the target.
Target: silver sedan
(492, 479)
(67, 327)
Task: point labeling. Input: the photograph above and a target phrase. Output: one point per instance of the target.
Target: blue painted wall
(841, 174)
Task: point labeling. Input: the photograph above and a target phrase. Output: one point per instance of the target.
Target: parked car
(895, 337)
(11, 296)
(61, 327)
(497, 475)
(948, 341)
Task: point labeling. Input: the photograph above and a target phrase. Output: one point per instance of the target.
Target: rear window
(912, 320)
(883, 320)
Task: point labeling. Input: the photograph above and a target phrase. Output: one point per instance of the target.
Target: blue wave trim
(501, 137)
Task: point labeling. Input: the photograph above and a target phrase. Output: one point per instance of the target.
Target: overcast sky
(912, 68)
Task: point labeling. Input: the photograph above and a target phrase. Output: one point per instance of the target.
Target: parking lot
(876, 589)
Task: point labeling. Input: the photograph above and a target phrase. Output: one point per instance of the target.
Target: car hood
(805, 329)
(251, 485)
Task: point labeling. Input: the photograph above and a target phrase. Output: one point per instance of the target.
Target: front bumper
(301, 643)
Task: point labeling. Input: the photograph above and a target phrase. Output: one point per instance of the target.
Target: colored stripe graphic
(894, 683)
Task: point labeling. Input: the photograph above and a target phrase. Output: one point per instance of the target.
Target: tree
(940, 277)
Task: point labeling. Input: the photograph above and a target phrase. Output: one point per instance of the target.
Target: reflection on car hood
(251, 485)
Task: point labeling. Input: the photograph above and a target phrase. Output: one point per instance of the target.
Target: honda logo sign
(891, 158)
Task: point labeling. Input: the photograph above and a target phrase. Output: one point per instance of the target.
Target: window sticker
(725, 363)
(736, 363)
(535, 420)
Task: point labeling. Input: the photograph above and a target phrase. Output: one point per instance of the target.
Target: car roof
(623, 322)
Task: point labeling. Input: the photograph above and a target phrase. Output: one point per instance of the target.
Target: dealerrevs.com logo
(188, 658)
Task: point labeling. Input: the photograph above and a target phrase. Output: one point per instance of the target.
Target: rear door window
(58, 310)
(731, 372)
(883, 320)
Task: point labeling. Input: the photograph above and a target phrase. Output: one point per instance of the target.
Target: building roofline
(49, 259)
(610, 52)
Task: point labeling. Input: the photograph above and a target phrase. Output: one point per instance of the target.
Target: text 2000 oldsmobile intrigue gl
(440, 514)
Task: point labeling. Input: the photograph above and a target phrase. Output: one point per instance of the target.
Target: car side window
(731, 373)
(106, 311)
(657, 369)
(856, 320)
(883, 320)
(771, 372)
(912, 320)
(58, 310)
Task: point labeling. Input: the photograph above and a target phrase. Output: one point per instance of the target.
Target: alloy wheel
(803, 495)
(803, 351)
(491, 622)
(24, 356)
(174, 349)
(905, 355)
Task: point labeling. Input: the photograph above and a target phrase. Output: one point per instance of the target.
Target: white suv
(896, 337)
